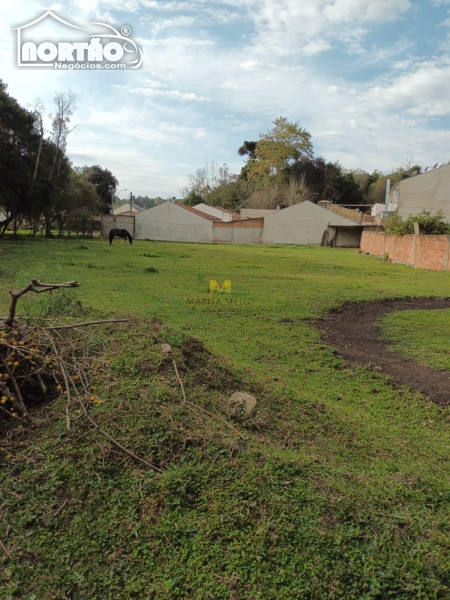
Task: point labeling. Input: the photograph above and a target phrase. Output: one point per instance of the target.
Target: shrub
(428, 224)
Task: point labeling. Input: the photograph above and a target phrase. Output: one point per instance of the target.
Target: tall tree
(105, 184)
(65, 106)
(277, 150)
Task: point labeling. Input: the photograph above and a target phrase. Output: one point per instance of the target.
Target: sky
(370, 80)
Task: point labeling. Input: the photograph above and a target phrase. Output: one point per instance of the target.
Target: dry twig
(191, 406)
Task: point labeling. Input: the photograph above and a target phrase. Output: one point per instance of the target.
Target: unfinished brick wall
(418, 251)
(247, 231)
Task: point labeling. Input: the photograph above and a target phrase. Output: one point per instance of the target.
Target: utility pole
(131, 203)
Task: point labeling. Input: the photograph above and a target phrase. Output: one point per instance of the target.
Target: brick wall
(432, 252)
(419, 251)
(238, 232)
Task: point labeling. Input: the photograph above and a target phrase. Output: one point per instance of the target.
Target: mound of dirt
(354, 331)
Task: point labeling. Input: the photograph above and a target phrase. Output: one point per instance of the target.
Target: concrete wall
(418, 251)
(303, 223)
(345, 237)
(109, 222)
(239, 232)
(430, 191)
(172, 223)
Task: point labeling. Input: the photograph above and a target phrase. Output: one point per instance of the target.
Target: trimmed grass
(421, 335)
(340, 491)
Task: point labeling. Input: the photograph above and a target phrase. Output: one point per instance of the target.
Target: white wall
(429, 190)
(303, 223)
(215, 211)
(117, 222)
(173, 223)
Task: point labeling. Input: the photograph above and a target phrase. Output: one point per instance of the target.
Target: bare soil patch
(355, 332)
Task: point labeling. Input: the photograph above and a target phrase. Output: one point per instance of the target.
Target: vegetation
(420, 335)
(280, 170)
(428, 224)
(338, 489)
(37, 182)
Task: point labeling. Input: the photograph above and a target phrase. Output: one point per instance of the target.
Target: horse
(122, 233)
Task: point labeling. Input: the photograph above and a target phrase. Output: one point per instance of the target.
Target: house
(429, 191)
(217, 212)
(174, 223)
(125, 209)
(306, 223)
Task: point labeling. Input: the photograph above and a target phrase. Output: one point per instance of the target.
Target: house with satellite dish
(429, 190)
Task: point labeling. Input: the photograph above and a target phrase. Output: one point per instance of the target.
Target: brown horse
(122, 233)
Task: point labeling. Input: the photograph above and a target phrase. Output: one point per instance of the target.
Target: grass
(341, 489)
(421, 335)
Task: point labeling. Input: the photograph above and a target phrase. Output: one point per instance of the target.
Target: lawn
(339, 490)
(421, 335)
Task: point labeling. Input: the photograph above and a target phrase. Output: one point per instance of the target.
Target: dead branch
(191, 406)
(179, 380)
(5, 550)
(60, 508)
(86, 323)
(31, 287)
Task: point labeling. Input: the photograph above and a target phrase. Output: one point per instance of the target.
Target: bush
(428, 224)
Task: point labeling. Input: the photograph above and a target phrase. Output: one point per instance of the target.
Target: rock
(242, 406)
(166, 348)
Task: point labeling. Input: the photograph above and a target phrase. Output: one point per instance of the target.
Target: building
(306, 223)
(301, 224)
(125, 209)
(429, 191)
(217, 212)
(175, 223)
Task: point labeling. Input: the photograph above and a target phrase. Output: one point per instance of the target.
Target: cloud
(286, 27)
(423, 91)
(169, 93)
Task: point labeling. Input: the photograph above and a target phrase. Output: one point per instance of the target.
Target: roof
(198, 212)
(202, 206)
(124, 208)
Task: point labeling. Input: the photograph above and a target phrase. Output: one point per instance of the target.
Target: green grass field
(340, 490)
(421, 335)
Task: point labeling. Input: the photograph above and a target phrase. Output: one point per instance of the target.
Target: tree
(105, 184)
(193, 198)
(277, 150)
(65, 106)
(248, 149)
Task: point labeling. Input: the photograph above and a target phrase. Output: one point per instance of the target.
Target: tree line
(38, 184)
(281, 169)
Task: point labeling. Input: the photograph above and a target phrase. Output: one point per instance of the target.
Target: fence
(348, 213)
(418, 251)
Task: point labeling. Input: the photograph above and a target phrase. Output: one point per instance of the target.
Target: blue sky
(369, 80)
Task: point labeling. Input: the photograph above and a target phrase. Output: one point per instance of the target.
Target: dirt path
(353, 330)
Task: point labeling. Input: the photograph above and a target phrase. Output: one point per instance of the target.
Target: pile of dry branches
(41, 363)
